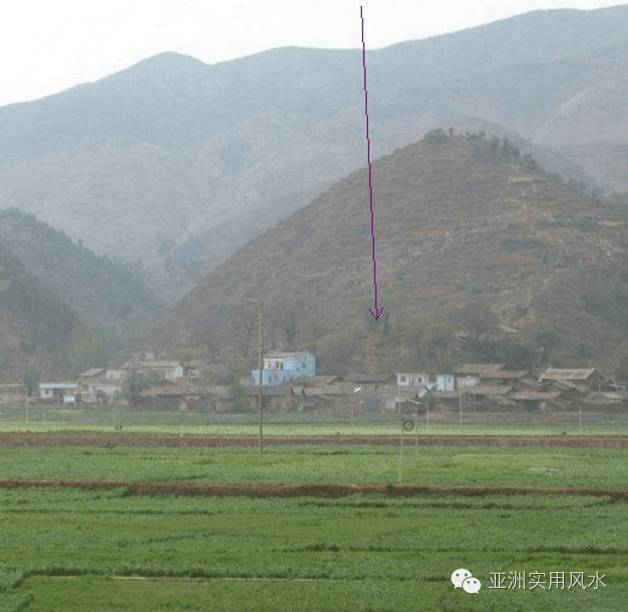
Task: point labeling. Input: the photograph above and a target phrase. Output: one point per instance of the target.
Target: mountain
(36, 327)
(472, 237)
(177, 163)
(106, 295)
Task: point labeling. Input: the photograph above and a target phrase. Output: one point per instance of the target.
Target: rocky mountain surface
(469, 232)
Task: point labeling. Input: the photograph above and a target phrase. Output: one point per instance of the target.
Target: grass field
(69, 550)
(45, 417)
(109, 550)
(572, 467)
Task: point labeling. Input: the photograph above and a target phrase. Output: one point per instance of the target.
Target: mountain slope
(187, 161)
(461, 221)
(36, 328)
(105, 294)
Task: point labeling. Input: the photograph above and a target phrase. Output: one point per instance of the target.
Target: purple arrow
(376, 311)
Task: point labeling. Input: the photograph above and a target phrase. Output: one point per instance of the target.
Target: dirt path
(125, 439)
(303, 490)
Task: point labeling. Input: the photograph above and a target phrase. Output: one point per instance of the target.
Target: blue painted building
(282, 366)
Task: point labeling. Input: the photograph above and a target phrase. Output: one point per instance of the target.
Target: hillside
(36, 328)
(177, 163)
(107, 295)
(470, 235)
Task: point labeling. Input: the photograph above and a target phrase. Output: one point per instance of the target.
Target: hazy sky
(47, 46)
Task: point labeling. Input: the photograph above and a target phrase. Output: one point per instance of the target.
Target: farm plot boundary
(305, 490)
(149, 440)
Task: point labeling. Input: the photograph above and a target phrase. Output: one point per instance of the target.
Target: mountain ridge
(188, 161)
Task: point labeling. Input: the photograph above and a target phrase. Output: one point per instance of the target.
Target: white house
(413, 379)
(445, 382)
(64, 393)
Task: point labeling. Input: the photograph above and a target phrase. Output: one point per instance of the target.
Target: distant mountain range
(55, 292)
(471, 238)
(177, 164)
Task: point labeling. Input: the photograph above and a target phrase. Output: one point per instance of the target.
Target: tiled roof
(567, 374)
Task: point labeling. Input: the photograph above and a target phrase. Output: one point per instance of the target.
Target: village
(291, 384)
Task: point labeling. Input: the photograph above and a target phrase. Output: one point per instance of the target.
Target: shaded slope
(36, 328)
(105, 294)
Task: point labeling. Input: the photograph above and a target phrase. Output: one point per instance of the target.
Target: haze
(47, 47)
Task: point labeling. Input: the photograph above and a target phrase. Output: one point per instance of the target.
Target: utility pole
(260, 363)
(400, 474)
(461, 406)
(427, 412)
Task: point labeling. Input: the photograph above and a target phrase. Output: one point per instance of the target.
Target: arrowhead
(376, 313)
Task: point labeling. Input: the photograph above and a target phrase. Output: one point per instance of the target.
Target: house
(317, 381)
(535, 400)
(589, 378)
(506, 376)
(445, 382)
(170, 371)
(101, 386)
(276, 398)
(606, 398)
(470, 374)
(281, 367)
(574, 383)
(166, 395)
(488, 394)
(63, 393)
(413, 379)
(369, 382)
(10, 393)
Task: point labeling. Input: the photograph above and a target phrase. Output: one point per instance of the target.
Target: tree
(478, 320)
(135, 384)
(437, 136)
(30, 377)
(620, 361)
(546, 340)
(291, 329)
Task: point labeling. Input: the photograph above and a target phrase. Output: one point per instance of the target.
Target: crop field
(45, 417)
(70, 550)
(326, 526)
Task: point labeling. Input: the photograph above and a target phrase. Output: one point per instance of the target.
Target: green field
(520, 467)
(65, 549)
(46, 417)
(69, 550)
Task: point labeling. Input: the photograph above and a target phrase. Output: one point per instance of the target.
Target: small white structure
(445, 382)
(115, 375)
(64, 393)
(469, 380)
(413, 379)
